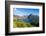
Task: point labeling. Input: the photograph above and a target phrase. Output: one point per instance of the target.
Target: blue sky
(25, 11)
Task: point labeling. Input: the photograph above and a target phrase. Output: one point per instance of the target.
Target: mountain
(28, 18)
(20, 17)
(31, 19)
(35, 18)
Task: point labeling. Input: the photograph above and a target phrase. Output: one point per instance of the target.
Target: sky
(25, 11)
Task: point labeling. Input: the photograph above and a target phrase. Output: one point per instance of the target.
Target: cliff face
(34, 18)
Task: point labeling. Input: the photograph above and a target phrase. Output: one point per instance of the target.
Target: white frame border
(25, 29)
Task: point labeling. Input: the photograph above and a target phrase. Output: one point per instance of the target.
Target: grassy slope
(20, 23)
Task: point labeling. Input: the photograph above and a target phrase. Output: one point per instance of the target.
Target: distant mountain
(29, 18)
(20, 17)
